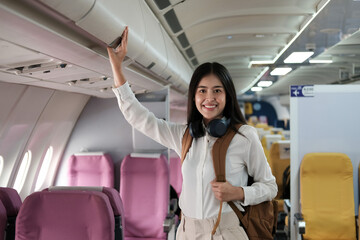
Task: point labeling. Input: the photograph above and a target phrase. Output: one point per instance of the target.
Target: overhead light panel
(320, 61)
(260, 62)
(298, 57)
(265, 83)
(280, 71)
(256, 89)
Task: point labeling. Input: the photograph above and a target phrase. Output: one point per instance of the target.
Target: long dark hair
(231, 110)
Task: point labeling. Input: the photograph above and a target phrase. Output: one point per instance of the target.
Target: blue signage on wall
(302, 91)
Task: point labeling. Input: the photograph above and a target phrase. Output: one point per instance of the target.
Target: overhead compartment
(149, 44)
(77, 10)
(186, 72)
(154, 56)
(106, 20)
(171, 73)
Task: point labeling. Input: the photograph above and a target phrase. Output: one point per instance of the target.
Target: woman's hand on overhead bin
(117, 56)
(118, 49)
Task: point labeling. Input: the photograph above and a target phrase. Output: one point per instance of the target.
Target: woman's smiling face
(210, 98)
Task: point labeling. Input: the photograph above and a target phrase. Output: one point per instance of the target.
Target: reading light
(265, 83)
(71, 83)
(280, 71)
(320, 61)
(298, 57)
(256, 89)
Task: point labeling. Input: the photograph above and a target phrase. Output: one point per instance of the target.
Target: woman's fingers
(117, 55)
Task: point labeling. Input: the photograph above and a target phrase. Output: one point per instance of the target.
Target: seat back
(267, 141)
(286, 134)
(280, 159)
(144, 189)
(11, 200)
(12, 203)
(72, 215)
(114, 199)
(3, 221)
(327, 196)
(91, 169)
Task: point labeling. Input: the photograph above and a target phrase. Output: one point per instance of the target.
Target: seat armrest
(169, 222)
(299, 223)
(173, 205)
(119, 228)
(287, 206)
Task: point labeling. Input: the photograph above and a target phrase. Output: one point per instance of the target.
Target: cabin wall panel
(101, 127)
(17, 129)
(52, 129)
(178, 115)
(9, 95)
(281, 111)
(143, 143)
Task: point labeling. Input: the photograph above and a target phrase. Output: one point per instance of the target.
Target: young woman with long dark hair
(211, 97)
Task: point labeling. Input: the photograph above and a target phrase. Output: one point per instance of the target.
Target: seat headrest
(11, 200)
(111, 193)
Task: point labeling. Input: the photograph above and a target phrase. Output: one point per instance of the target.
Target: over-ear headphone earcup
(191, 130)
(195, 130)
(218, 127)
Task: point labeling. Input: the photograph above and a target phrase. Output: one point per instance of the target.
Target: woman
(211, 96)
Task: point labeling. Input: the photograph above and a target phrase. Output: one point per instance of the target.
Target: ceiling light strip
(255, 80)
(298, 57)
(320, 61)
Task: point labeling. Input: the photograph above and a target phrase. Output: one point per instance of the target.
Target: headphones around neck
(216, 128)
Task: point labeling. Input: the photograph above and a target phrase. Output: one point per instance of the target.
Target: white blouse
(244, 155)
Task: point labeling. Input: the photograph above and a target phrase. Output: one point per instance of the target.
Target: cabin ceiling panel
(241, 40)
(326, 74)
(234, 32)
(217, 54)
(218, 9)
(244, 25)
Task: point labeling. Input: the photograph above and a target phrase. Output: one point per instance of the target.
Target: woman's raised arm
(116, 57)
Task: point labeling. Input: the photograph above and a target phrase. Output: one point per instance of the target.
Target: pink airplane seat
(3, 221)
(12, 203)
(175, 174)
(144, 189)
(91, 169)
(70, 215)
(114, 199)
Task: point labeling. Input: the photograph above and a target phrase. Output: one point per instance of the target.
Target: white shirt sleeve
(264, 187)
(139, 117)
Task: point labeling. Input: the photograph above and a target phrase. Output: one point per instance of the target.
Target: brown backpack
(259, 221)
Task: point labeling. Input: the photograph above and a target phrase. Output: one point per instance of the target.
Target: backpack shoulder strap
(185, 144)
(219, 154)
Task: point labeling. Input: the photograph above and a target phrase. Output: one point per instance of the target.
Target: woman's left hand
(224, 191)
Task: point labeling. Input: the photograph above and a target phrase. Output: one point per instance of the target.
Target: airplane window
(1, 164)
(44, 168)
(23, 170)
